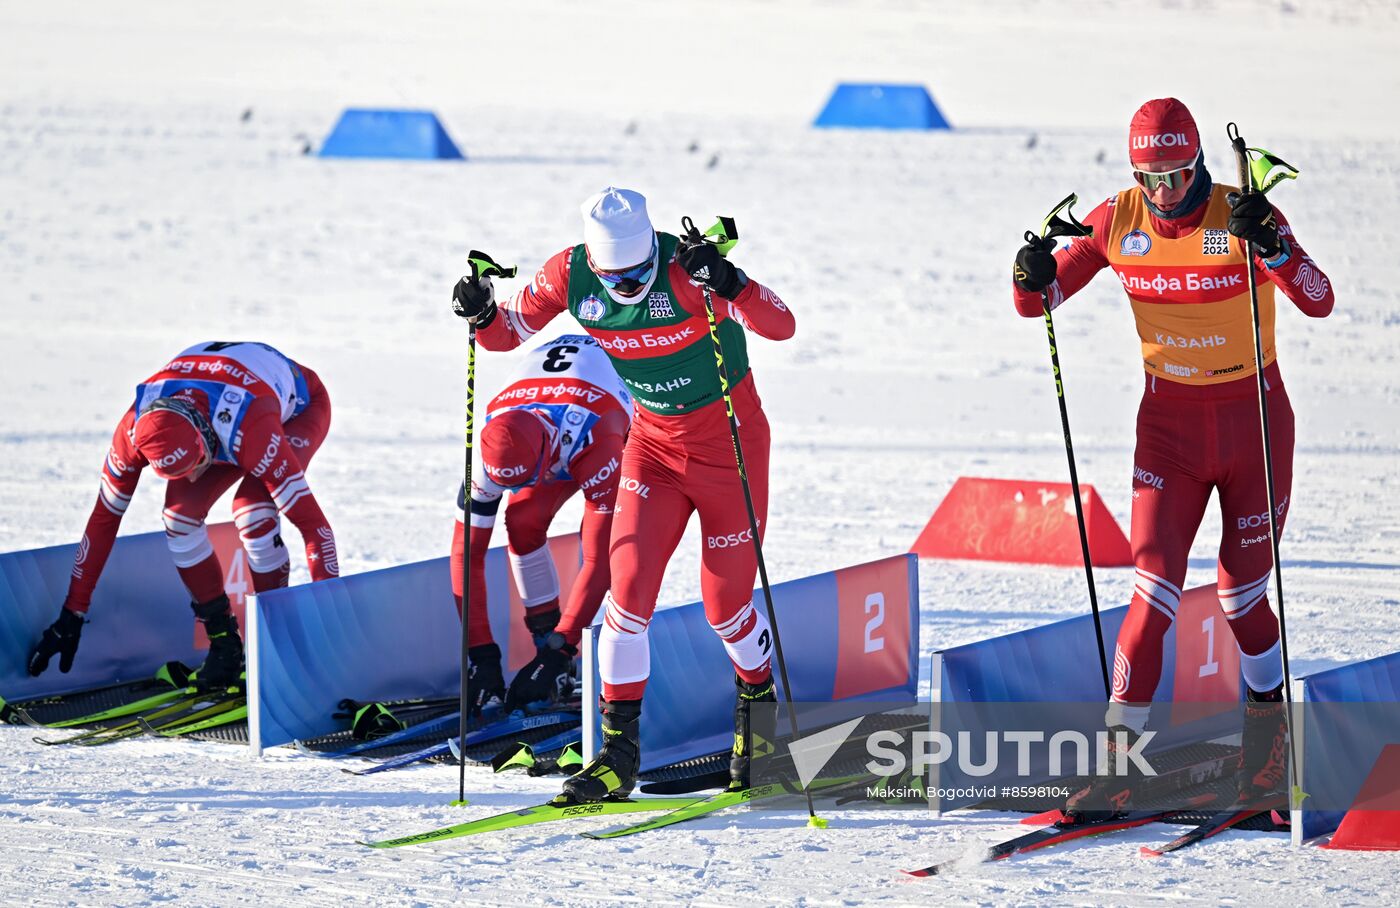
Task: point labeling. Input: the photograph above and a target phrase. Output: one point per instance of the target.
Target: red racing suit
(271, 415)
(570, 382)
(1198, 424)
(679, 458)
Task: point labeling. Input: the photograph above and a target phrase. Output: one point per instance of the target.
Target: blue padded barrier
(1341, 744)
(382, 635)
(1058, 664)
(851, 634)
(139, 619)
(877, 106)
(377, 133)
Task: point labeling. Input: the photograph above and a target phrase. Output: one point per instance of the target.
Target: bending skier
(638, 292)
(557, 428)
(1174, 241)
(217, 414)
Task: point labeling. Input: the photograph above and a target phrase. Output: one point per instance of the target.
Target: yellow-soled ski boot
(745, 744)
(612, 774)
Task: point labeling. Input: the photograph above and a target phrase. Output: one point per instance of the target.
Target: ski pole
(482, 265)
(1247, 174)
(725, 241)
(1053, 227)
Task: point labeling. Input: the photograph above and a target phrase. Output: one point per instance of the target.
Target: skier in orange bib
(1176, 243)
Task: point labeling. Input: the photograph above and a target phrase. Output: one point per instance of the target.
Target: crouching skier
(217, 414)
(557, 428)
(638, 293)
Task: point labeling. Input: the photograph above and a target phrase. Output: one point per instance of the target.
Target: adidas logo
(703, 274)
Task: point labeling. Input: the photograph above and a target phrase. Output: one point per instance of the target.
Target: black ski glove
(548, 676)
(484, 680)
(60, 639)
(474, 299)
(1035, 265)
(1252, 218)
(706, 266)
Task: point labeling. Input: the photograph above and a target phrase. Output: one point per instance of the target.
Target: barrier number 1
(875, 602)
(1211, 666)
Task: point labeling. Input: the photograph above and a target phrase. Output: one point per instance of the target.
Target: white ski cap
(616, 229)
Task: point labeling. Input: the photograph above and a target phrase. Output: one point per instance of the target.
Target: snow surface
(140, 212)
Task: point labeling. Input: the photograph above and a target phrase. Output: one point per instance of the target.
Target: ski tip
(927, 871)
(463, 802)
(816, 822)
(1146, 852)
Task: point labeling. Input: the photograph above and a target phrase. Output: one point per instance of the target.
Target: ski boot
(612, 774)
(223, 667)
(1264, 749)
(484, 680)
(1106, 796)
(745, 744)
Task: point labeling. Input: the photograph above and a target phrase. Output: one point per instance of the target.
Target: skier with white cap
(638, 293)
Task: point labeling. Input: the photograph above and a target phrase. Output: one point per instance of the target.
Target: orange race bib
(1190, 295)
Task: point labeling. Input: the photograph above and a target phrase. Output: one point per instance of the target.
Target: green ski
(189, 707)
(722, 801)
(116, 712)
(690, 811)
(219, 714)
(172, 676)
(188, 701)
(207, 706)
(542, 813)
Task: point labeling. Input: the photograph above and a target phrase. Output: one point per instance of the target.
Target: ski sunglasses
(1171, 179)
(628, 281)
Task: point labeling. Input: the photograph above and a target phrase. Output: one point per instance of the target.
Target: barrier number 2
(875, 602)
(1211, 666)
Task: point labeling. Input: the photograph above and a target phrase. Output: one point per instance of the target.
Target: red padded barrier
(1021, 521)
(1373, 822)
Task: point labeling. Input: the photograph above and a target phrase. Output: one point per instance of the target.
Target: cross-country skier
(1174, 241)
(638, 292)
(556, 428)
(217, 414)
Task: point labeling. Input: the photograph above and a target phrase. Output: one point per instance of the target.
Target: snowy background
(153, 193)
